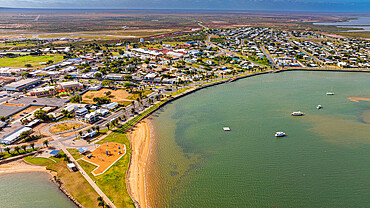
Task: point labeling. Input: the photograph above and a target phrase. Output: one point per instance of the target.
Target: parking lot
(54, 102)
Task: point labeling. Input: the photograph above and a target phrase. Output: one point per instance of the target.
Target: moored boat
(298, 113)
(280, 134)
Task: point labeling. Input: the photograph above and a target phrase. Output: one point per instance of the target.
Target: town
(62, 93)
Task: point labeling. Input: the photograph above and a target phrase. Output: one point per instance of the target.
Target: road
(272, 62)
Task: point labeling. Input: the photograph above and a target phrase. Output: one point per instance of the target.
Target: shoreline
(22, 166)
(140, 146)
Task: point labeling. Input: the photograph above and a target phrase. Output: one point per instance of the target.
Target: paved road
(272, 62)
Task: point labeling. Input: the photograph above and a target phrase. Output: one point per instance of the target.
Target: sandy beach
(358, 99)
(20, 166)
(140, 142)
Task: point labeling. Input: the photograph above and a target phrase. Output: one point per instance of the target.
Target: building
(22, 84)
(115, 77)
(71, 167)
(13, 137)
(110, 106)
(44, 91)
(102, 112)
(81, 112)
(70, 85)
(91, 117)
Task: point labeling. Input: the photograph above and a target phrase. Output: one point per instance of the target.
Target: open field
(113, 181)
(64, 127)
(105, 155)
(35, 61)
(73, 182)
(119, 96)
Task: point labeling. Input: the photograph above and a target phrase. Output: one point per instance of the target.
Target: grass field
(35, 61)
(5, 154)
(64, 127)
(73, 182)
(119, 96)
(113, 182)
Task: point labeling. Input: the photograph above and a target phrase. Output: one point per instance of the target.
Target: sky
(276, 5)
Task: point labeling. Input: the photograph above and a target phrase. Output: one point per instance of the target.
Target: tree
(46, 143)
(132, 110)
(76, 99)
(107, 82)
(88, 131)
(98, 75)
(107, 125)
(97, 128)
(7, 149)
(41, 114)
(108, 93)
(33, 146)
(80, 133)
(24, 147)
(17, 149)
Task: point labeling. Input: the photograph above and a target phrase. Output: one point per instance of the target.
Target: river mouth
(325, 155)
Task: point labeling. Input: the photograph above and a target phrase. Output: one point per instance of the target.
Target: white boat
(330, 93)
(227, 129)
(319, 107)
(280, 134)
(298, 113)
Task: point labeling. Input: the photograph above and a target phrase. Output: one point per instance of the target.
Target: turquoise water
(323, 162)
(31, 190)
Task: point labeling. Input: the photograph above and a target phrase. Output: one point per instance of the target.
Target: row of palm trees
(24, 147)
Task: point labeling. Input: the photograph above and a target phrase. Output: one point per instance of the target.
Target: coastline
(140, 145)
(21, 166)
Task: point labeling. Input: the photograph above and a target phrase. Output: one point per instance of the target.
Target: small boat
(227, 129)
(330, 93)
(319, 107)
(280, 134)
(298, 113)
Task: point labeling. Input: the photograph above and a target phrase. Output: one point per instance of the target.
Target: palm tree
(46, 143)
(24, 147)
(107, 125)
(97, 128)
(33, 146)
(7, 149)
(17, 149)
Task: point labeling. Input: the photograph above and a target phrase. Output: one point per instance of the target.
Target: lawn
(35, 61)
(64, 127)
(75, 153)
(136, 95)
(113, 182)
(73, 182)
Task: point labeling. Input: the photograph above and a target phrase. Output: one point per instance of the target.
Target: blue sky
(280, 5)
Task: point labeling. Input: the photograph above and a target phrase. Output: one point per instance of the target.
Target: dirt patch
(105, 156)
(119, 96)
(64, 127)
(12, 104)
(28, 110)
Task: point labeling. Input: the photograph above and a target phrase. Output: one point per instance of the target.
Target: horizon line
(194, 9)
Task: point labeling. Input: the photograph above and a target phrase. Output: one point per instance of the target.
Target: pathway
(87, 177)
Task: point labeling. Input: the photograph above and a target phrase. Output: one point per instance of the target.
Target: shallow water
(31, 190)
(323, 162)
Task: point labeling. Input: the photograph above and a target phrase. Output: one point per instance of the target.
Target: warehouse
(22, 84)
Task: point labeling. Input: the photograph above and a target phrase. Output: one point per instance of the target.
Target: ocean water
(31, 190)
(360, 22)
(323, 162)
